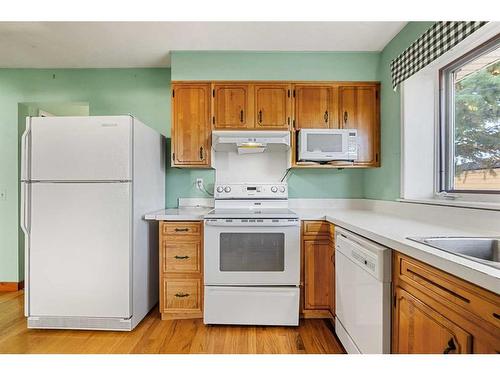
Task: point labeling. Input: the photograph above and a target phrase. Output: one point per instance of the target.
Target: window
(470, 122)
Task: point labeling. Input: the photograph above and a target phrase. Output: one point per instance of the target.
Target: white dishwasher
(362, 294)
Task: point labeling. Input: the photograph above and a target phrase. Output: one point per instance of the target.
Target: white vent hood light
(250, 142)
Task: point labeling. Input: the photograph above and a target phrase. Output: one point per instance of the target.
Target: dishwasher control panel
(370, 256)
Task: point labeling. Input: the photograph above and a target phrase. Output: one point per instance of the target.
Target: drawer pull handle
(496, 315)
(444, 289)
(181, 295)
(181, 229)
(450, 348)
(181, 257)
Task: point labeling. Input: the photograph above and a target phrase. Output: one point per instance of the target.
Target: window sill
(455, 203)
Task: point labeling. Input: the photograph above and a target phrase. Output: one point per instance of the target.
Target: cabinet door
(231, 106)
(272, 106)
(359, 110)
(318, 274)
(419, 329)
(314, 107)
(191, 125)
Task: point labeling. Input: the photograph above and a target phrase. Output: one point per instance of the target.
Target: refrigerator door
(80, 250)
(80, 148)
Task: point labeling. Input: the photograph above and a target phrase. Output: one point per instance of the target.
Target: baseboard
(11, 286)
(316, 314)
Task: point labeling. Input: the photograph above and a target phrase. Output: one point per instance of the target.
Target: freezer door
(80, 148)
(80, 250)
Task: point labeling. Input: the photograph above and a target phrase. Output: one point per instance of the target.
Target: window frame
(446, 165)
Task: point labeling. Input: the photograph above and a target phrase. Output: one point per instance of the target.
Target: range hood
(250, 142)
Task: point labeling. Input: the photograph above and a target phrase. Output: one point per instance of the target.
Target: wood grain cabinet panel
(359, 110)
(181, 256)
(315, 106)
(272, 106)
(435, 312)
(318, 270)
(183, 228)
(191, 125)
(316, 228)
(182, 295)
(422, 330)
(181, 269)
(232, 107)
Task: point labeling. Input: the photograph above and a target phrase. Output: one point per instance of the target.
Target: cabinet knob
(260, 116)
(241, 116)
(181, 229)
(201, 153)
(345, 117)
(181, 295)
(451, 347)
(181, 257)
(326, 116)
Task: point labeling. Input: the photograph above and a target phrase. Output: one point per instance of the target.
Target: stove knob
(274, 189)
(219, 189)
(227, 189)
(282, 189)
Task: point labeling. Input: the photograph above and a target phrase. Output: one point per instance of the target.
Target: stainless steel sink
(484, 250)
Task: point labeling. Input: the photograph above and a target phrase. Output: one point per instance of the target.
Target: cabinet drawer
(444, 287)
(182, 295)
(181, 256)
(315, 228)
(181, 228)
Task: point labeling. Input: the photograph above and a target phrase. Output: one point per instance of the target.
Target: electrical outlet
(3, 195)
(199, 183)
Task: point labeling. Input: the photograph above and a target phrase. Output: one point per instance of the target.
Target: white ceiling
(148, 44)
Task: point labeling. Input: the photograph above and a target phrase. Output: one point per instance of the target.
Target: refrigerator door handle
(25, 208)
(25, 226)
(25, 150)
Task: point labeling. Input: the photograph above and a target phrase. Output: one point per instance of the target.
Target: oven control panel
(251, 191)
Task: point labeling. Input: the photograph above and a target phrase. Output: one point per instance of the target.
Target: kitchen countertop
(389, 230)
(178, 214)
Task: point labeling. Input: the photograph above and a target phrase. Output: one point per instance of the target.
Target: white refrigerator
(91, 260)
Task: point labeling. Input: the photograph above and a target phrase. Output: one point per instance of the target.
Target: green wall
(384, 182)
(230, 65)
(142, 92)
(145, 93)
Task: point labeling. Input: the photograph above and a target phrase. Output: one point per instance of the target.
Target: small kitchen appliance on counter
(252, 256)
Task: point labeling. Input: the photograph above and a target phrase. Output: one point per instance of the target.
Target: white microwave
(328, 144)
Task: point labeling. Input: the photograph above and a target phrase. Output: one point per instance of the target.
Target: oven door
(240, 252)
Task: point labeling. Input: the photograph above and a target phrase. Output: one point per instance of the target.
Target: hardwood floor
(159, 336)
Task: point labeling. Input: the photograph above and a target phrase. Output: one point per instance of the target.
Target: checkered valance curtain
(441, 37)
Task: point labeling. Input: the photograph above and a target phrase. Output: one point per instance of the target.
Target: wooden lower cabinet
(181, 269)
(317, 274)
(422, 330)
(438, 313)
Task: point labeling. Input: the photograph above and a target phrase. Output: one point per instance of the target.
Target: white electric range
(252, 256)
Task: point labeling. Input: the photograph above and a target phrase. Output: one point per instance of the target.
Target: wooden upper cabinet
(191, 125)
(318, 274)
(359, 109)
(232, 107)
(315, 106)
(419, 329)
(272, 106)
